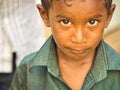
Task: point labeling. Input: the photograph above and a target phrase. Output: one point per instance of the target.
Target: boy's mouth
(78, 51)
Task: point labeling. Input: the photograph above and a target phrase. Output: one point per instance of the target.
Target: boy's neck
(75, 71)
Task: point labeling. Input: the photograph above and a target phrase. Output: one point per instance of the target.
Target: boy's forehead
(68, 1)
(67, 6)
(74, 0)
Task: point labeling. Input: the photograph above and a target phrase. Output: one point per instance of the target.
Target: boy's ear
(43, 15)
(110, 15)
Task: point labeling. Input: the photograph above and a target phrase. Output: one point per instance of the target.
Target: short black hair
(47, 4)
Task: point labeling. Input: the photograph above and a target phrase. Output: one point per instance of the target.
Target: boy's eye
(65, 22)
(92, 22)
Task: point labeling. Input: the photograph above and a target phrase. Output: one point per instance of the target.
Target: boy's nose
(78, 36)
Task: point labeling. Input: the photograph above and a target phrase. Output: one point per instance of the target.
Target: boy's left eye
(92, 22)
(65, 22)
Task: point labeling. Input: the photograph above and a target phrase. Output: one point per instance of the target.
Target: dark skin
(77, 31)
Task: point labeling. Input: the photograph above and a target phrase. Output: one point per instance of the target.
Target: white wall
(115, 22)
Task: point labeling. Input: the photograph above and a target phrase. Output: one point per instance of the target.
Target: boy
(75, 57)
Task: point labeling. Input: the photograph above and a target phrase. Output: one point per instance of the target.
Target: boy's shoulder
(36, 58)
(28, 58)
(113, 57)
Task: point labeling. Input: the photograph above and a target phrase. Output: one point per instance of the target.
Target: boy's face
(77, 28)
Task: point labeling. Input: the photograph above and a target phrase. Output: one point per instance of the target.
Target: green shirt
(40, 71)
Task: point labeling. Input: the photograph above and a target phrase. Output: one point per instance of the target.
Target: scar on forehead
(69, 2)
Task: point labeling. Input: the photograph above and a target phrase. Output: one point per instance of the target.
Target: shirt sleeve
(20, 77)
(19, 81)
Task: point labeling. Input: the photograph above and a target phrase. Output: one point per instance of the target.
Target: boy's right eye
(65, 22)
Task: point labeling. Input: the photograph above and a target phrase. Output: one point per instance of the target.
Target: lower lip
(77, 51)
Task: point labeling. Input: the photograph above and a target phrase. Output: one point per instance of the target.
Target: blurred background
(22, 32)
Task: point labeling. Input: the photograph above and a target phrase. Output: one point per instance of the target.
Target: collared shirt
(40, 71)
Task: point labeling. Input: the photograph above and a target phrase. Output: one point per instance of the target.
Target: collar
(106, 59)
(47, 57)
(41, 58)
(99, 68)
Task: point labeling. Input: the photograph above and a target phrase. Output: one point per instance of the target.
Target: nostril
(78, 37)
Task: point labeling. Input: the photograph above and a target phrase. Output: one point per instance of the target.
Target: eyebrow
(91, 17)
(61, 16)
(97, 16)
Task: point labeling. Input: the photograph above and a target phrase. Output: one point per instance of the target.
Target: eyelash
(68, 23)
(64, 23)
(94, 23)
